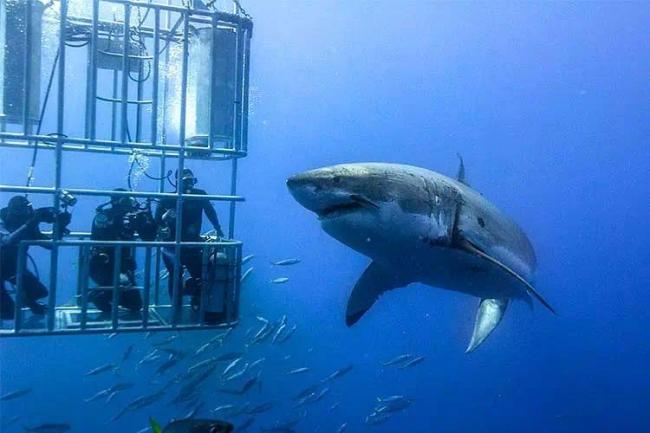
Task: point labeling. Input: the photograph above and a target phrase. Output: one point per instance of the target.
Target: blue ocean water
(549, 105)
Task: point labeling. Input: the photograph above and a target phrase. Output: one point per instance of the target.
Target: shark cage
(160, 81)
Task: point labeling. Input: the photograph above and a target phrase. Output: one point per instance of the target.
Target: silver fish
(256, 363)
(247, 258)
(286, 262)
(255, 380)
(164, 341)
(220, 338)
(202, 349)
(395, 405)
(230, 367)
(101, 369)
(277, 334)
(412, 362)
(192, 413)
(313, 397)
(298, 370)
(377, 418)
(149, 357)
(224, 408)
(127, 353)
(229, 356)
(139, 403)
(287, 334)
(169, 364)
(49, 428)
(260, 408)
(15, 394)
(390, 398)
(205, 363)
(97, 396)
(342, 428)
(280, 280)
(238, 374)
(307, 391)
(338, 373)
(175, 352)
(397, 360)
(246, 274)
(110, 396)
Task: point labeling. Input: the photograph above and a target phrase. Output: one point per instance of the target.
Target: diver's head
(187, 180)
(121, 202)
(17, 212)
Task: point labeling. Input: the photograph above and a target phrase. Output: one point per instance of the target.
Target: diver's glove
(44, 215)
(62, 221)
(219, 232)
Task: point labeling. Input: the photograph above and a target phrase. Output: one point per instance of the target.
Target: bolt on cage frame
(164, 27)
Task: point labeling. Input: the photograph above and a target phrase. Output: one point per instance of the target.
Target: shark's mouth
(355, 204)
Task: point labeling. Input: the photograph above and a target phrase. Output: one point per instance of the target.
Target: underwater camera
(67, 199)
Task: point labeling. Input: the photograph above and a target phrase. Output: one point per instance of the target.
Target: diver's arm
(160, 211)
(20, 234)
(146, 227)
(212, 217)
(38, 236)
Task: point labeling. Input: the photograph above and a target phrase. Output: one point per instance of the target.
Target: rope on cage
(241, 10)
(30, 171)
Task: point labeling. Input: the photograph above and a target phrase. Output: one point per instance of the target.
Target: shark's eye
(337, 179)
(480, 221)
(214, 429)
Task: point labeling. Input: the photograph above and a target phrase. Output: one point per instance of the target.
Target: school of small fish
(222, 376)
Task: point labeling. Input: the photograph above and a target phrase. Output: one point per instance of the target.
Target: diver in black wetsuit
(191, 257)
(119, 222)
(19, 222)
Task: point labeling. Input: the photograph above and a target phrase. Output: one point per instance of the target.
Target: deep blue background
(550, 106)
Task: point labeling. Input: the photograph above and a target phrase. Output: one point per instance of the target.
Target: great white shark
(417, 225)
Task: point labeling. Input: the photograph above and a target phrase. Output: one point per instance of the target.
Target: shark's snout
(305, 189)
(298, 180)
(326, 192)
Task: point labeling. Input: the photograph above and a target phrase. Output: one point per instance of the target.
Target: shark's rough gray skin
(420, 226)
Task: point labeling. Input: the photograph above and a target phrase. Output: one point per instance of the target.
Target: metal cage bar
(20, 273)
(176, 290)
(58, 161)
(146, 294)
(27, 67)
(221, 146)
(93, 70)
(83, 269)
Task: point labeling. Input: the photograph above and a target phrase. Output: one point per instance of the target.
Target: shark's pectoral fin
(374, 281)
(488, 316)
(468, 246)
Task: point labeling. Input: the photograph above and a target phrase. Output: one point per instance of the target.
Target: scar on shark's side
(417, 225)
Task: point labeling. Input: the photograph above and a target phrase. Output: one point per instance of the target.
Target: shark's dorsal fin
(468, 246)
(374, 281)
(489, 314)
(460, 177)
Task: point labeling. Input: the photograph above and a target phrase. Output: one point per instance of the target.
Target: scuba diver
(118, 220)
(20, 222)
(191, 257)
